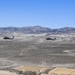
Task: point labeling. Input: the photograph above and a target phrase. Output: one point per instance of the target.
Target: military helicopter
(6, 37)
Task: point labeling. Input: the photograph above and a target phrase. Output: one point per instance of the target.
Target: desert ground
(35, 50)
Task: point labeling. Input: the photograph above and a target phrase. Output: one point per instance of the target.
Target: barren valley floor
(35, 50)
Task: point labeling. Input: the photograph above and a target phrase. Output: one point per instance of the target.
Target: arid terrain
(36, 50)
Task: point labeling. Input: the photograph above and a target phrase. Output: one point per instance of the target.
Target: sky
(45, 13)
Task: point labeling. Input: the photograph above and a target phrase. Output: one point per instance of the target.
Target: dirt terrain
(35, 50)
(7, 73)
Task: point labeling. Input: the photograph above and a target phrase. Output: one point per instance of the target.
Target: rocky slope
(35, 30)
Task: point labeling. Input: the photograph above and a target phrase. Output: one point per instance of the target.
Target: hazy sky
(47, 13)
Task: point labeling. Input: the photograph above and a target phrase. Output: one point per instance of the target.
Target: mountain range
(36, 30)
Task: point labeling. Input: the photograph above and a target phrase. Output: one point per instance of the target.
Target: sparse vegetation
(29, 73)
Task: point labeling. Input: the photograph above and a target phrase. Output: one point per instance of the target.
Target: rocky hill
(35, 30)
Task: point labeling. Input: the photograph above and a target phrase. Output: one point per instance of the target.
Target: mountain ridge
(36, 30)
